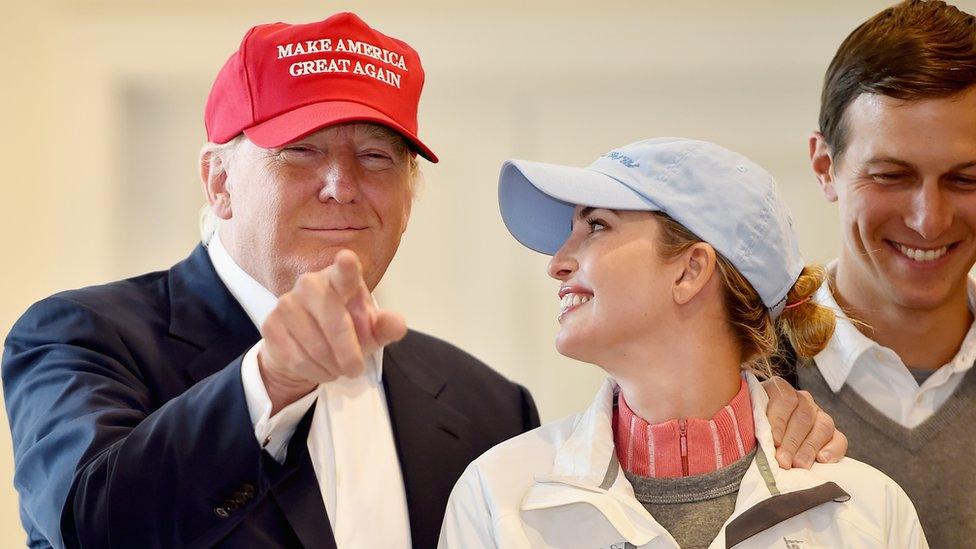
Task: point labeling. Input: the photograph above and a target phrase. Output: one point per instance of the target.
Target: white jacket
(560, 485)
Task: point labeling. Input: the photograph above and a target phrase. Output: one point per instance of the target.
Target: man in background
(897, 151)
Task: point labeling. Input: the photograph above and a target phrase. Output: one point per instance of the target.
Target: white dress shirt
(879, 376)
(350, 440)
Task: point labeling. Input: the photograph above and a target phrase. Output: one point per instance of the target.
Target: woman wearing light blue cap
(678, 269)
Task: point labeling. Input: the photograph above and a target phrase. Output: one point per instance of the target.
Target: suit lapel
(204, 314)
(432, 438)
(297, 491)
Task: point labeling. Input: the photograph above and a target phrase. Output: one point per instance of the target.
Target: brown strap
(777, 509)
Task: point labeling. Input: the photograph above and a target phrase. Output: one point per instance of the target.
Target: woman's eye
(596, 225)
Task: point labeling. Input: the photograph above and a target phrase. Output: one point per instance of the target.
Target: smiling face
(906, 187)
(615, 287)
(289, 210)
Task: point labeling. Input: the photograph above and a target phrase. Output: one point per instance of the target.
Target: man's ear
(213, 174)
(695, 268)
(823, 164)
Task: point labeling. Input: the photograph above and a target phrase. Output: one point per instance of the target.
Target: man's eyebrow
(382, 132)
(963, 166)
(903, 163)
(889, 160)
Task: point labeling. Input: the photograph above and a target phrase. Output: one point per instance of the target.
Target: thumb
(389, 326)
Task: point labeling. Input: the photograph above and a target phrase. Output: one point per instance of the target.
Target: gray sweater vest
(935, 462)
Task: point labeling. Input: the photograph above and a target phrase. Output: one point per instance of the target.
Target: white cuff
(272, 433)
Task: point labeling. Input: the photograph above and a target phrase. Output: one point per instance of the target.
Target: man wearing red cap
(151, 412)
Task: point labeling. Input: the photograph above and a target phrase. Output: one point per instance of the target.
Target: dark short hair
(918, 49)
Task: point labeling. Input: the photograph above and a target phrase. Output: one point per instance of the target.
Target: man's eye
(965, 181)
(890, 177)
(376, 159)
(298, 150)
(298, 154)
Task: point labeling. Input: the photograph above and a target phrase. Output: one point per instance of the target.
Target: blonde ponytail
(806, 324)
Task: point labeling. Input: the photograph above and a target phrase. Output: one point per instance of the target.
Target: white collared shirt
(878, 374)
(350, 440)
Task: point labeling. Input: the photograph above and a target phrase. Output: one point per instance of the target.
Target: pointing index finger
(346, 276)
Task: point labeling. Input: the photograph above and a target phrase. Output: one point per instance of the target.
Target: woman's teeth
(922, 255)
(572, 300)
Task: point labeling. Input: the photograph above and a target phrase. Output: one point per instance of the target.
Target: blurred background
(103, 120)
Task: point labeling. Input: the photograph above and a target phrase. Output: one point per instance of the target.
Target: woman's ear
(696, 265)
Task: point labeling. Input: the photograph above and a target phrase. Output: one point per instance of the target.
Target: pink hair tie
(798, 303)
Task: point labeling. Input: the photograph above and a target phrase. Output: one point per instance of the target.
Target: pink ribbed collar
(684, 447)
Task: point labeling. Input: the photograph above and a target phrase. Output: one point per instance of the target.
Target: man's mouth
(335, 228)
(334, 234)
(922, 255)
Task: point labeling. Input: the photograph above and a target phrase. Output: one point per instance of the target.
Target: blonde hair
(806, 325)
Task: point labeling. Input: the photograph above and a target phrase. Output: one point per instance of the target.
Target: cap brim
(302, 121)
(537, 200)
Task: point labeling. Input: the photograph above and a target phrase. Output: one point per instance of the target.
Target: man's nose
(339, 183)
(931, 211)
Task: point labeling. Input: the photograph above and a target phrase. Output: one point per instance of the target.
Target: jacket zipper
(683, 427)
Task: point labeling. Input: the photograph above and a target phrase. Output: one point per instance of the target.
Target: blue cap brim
(537, 200)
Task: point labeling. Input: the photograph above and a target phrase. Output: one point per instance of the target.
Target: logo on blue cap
(623, 159)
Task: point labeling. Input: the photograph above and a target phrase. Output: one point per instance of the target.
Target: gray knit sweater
(935, 462)
(692, 509)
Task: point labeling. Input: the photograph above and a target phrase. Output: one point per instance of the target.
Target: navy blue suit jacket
(130, 427)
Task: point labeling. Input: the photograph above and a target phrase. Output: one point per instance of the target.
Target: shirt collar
(256, 300)
(582, 459)
(848, 344)
(967, 351)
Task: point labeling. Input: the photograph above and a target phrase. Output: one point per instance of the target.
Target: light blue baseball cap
(723, 197)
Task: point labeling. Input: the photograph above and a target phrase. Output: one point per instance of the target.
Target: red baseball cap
(287, 81)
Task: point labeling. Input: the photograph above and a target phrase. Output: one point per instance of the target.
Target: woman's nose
(563, 262)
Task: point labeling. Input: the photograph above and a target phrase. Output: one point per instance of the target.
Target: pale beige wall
(103, 99)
